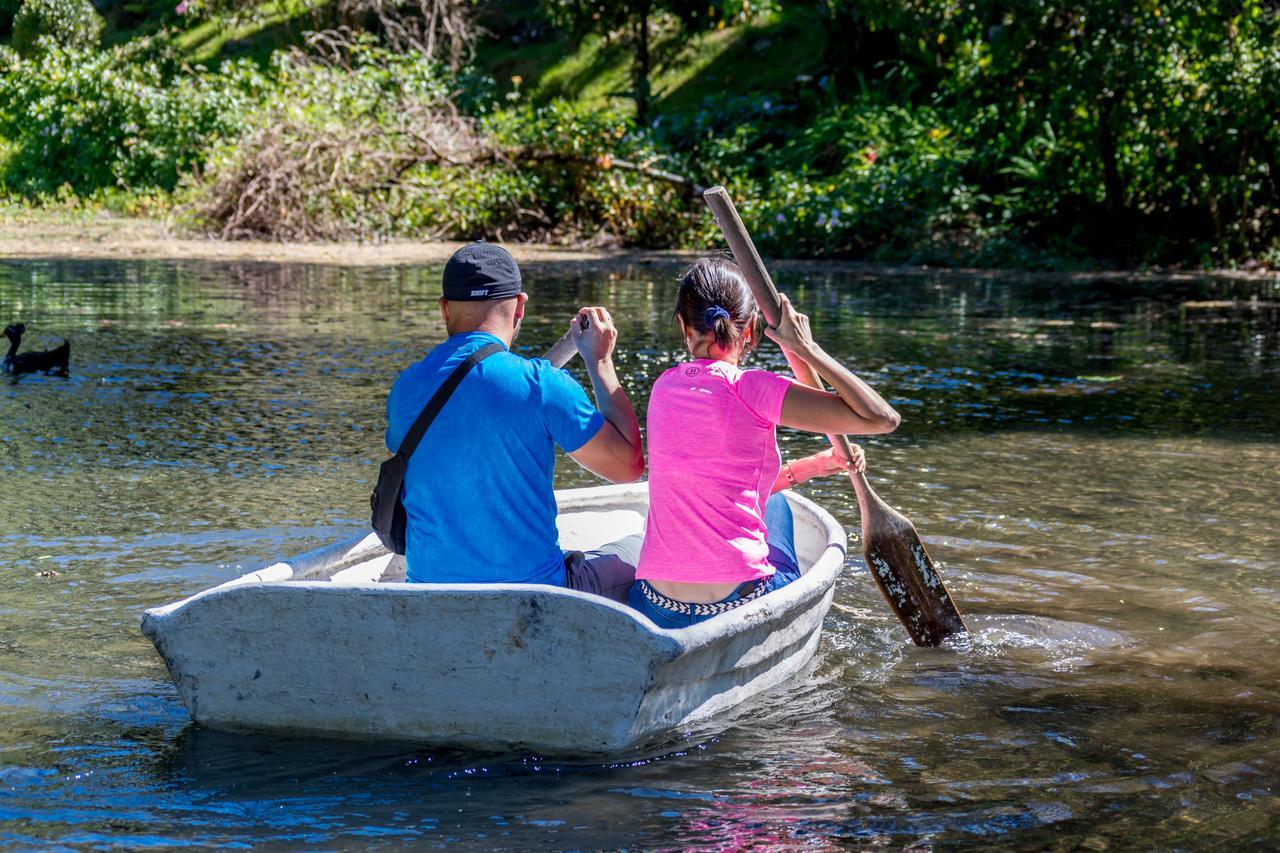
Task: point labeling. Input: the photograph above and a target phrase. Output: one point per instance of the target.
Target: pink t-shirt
(713, 459)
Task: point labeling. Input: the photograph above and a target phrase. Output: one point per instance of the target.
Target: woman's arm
(854, 409)
(818, 465)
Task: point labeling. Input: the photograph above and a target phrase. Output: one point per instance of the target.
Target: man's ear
(521, 300)
(444, 310)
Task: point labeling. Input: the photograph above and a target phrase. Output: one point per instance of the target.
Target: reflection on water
(1093, 464)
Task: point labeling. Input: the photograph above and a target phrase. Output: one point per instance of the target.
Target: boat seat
(370, 571)
(579, 531)
(585, 531)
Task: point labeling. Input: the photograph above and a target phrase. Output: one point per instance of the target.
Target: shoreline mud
(120, 238)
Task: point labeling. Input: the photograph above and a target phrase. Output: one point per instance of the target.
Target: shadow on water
(1092, 463)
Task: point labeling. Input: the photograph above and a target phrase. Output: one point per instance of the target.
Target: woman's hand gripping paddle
(894, 553)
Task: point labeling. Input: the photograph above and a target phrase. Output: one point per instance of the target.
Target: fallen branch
(298, 179)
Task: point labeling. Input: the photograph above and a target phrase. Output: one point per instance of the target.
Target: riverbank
(110, 237)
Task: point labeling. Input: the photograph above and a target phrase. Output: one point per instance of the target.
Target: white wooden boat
(330, 644)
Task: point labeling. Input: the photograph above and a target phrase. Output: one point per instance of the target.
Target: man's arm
(615, 451)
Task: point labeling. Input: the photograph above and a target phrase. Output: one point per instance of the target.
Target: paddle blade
(907, 576)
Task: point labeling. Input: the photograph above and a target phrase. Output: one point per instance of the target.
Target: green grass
(764, 55)
(266, 27)
(597, 72)
(270, 26)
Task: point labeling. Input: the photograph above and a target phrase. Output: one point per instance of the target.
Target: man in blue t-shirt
(478, 490)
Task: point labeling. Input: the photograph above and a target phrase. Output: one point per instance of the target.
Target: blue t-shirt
(478, 490)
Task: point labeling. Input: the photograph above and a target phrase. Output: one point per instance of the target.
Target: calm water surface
(1095, 465)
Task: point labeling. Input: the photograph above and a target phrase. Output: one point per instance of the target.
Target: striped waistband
(660, 600)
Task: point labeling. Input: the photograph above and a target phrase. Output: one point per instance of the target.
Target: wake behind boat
(332, 643)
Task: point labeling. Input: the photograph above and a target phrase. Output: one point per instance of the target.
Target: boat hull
(480, 665)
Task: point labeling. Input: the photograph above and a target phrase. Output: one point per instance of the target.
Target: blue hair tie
(714, 313)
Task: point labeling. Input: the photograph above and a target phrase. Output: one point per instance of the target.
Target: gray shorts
(608, 570)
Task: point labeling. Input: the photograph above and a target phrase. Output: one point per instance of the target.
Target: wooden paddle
(894, 553)
(563, 350)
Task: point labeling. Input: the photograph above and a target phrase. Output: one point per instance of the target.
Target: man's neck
(501, 331)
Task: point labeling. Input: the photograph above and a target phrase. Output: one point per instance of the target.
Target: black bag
(389, 520)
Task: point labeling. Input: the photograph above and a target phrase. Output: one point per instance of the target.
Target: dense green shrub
(68, 23)
(576, 164)
(856, 181)
(892, 186)
(1128, 129)
(966, 131)
(122, 117)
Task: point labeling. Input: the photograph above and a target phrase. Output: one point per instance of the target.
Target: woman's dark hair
(715, 297)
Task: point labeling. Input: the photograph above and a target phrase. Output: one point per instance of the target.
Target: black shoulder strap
(442, 395)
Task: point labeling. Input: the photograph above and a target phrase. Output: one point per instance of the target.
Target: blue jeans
(782, 555)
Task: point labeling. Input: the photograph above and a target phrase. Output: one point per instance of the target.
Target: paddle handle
(766, 294)
(744, 252)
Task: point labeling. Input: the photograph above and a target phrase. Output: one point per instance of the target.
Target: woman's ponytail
(720, 321)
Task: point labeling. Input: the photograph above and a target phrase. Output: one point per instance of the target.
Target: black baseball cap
(481, 271)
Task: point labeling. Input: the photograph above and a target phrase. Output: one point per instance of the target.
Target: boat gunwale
(812, 585)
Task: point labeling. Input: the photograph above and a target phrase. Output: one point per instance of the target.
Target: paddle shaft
(895, 555)
(563, 350)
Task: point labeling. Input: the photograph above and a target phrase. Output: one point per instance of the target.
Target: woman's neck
(713, 352)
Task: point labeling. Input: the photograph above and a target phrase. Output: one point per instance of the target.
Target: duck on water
(50, 362)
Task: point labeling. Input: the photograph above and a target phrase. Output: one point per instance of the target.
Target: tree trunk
(640, 69)
(1113, 184)
(1121, 224)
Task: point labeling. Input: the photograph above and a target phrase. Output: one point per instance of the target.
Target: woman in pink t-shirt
(718, 535)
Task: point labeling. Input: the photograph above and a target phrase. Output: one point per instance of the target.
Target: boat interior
(364, 560)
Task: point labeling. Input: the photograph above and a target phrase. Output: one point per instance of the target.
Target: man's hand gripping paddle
(894, 553)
